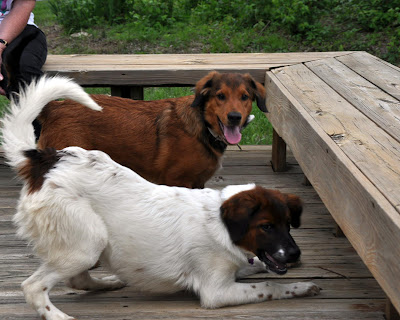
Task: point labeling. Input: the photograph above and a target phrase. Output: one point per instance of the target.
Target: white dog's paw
(50, 312)
(302, 289)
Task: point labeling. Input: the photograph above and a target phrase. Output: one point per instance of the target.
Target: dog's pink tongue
(232, 134)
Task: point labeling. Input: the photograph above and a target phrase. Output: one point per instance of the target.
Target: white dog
(79, 206)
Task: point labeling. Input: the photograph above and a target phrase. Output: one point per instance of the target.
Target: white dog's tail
(17, 132)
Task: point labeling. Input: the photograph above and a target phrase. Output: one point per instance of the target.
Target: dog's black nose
(234, 117)
(293, 254)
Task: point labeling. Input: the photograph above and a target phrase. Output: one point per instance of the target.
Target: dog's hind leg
(65, 254)
(84, 281)
(37, 287)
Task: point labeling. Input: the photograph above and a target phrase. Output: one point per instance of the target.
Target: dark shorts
(23, 59)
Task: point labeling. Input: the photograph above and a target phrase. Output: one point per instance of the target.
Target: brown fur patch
(38, 163)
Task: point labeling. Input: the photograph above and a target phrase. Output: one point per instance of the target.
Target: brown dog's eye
(221, 96)
(267, 227)
(245, 97)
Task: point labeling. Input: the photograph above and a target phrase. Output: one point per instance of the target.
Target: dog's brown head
(225, 100)
(259, 221)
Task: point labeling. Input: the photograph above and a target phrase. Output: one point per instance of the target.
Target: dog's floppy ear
(202, 90)
(296, 208)
(236, 213)
(257, 91)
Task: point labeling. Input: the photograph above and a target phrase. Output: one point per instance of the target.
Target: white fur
(17, 129)
(156, 238)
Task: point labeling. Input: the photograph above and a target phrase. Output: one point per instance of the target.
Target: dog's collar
(213, 133)
(215, 141)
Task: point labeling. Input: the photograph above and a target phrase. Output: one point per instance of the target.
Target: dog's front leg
(254, 266)
(242, 293)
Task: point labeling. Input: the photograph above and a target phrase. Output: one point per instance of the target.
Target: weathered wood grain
(111, 60)
(377, 105)
(323, 309)
(376, 71)
(370, 148)
(369, 220)
(168, 69)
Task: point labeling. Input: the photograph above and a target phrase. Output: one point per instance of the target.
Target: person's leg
(23, 59)
(32, 59)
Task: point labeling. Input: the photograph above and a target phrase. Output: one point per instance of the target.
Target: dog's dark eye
(267, 227)
(245, 97)
(221, 96)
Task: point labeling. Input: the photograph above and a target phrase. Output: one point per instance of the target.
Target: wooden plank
(376, 104)
(153, 76)
(92, 307)
(376, 71)
(240, 169)
(367, 218)
(109, 60)
(168, 70)
(371, 149)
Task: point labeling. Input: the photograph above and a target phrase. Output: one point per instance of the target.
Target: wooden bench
(127, 75)
(339, 112)
(341, 118)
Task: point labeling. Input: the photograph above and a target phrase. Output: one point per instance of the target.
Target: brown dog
(177, 142)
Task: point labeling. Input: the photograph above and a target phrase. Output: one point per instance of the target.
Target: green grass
(259, 131)
(43, 15)
(4, 102)
(163, 93)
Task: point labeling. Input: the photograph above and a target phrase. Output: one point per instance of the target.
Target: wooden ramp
(349, 290)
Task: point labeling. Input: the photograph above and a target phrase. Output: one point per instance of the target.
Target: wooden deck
(349, 290)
